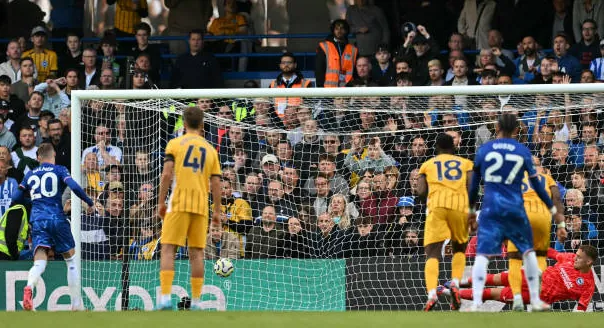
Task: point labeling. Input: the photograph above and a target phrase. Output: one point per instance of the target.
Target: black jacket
(201, 71)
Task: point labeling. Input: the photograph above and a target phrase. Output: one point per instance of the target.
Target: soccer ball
(223, 267)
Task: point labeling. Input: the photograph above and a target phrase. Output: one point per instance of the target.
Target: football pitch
(299, 319)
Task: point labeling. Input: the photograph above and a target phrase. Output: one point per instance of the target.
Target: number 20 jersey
(447, 177)
(195, 162)
(46, 185)
(501, 163)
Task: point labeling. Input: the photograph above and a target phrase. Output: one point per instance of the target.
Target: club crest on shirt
(580, 281)
(44, 63)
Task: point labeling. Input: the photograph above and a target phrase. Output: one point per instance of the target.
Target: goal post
(322, 270)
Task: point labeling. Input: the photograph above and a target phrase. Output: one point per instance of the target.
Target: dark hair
(72, 34)
(193, 117)
(29, 128)
(289, 54)
(490, 72)
(197, 31)
(143, 26)
(343, 22)
(508, 123)
(589, 20)
(327, 157)
(36, 93)
(590, 251)
(5, 79)
(27, 58)
(363, 220)
(444, 143)
(67, 71)
(404, 77)
(54, 121)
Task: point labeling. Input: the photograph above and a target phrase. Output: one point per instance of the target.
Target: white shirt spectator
(54, 103)
(29, 153)
(113, 151)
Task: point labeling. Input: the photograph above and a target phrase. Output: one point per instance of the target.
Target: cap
(38, 30)
(405, 201)
(4, 104)
(419, 39)
(602, 43)
(408, 27)
(269, 158)
(109, 167)
(115, 186)
(382, 47)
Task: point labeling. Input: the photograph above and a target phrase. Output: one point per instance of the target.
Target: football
(223, 267)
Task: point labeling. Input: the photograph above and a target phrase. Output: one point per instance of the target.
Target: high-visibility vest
(179, 124)
(22, 231)
(339, 69)
(282, 102)
(241, 111)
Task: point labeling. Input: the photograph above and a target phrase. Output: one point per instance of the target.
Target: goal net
(320, 207)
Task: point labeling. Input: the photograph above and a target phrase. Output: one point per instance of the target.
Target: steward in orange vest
(336, 58)
(290, 77)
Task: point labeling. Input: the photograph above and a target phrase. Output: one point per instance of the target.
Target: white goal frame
(78, 95)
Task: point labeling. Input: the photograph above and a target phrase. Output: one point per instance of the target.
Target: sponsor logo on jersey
(44, 63)
(580, 281)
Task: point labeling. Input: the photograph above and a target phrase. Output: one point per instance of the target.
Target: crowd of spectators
(312, 178)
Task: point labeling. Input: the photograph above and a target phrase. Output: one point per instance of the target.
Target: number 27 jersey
(46, 185)
(501, 163)
(195, 162)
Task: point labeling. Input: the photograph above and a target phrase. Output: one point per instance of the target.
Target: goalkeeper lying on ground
(571, 278)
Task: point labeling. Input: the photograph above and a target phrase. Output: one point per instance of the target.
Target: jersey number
(451, 172)
(490, 173)
(39, 185)
(196, 163)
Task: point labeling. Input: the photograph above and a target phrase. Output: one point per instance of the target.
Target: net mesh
(320, 205)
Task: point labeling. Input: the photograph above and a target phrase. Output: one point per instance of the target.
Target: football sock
(72, 282)
(479, 272)
(531, 270)
(431, 274)
(466, 294)
(35, 272)
(490, 280)
(505, 281)
(165, 281)
(542, 260)
(515, 276)
(458, 264)
(196, 285)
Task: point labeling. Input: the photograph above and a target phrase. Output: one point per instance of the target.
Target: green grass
(297, 319)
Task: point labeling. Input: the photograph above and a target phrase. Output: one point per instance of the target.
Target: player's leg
(522, 237)
(541, 224)
(173, 234)
(458, 226)
(41, 242)
(435, 233)
(489, 239)
(488, 294)
(197, 237)
(515, 276)
(65, 244)
(492, 279)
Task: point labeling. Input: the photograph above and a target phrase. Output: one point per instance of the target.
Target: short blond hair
(435, 62)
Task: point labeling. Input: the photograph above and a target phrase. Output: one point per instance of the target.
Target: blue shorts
(494, 227)
(52, 233)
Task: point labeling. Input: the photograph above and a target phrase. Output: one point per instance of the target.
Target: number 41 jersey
(195, 162)
(502, 163)
(46, 185)
(447, 177)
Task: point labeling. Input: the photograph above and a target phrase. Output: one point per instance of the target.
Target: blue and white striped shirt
(597, 67)
(7, 191)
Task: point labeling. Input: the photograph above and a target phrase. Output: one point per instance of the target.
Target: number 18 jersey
(447, 177)
(195, 162)
(46, 185)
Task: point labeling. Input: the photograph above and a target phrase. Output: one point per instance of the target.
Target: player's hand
(472, 222)
(161, 210)
(561, 233)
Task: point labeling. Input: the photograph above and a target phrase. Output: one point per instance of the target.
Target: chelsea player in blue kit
(50, 227)
(502, 163)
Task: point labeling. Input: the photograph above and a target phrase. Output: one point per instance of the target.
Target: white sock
(532, 273)
(479, 274)
(518, 298)
(432, 294)
(165, 298)
(72, 282)
(35, 272)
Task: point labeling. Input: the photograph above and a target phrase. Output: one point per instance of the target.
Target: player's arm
(559, 217)
(216, 188)
(75, 187)
(474, 185)
(586, 295)
(422, 186)
(540, 190)
(164, 183)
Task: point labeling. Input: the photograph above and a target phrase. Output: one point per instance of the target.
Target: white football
(223, 267)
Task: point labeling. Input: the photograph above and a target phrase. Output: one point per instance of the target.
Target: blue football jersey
(501, 163)
(46, 185)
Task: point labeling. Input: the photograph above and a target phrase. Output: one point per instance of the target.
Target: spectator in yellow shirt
(45, 60)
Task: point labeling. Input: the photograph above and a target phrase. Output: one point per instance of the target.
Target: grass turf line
(298, 319)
